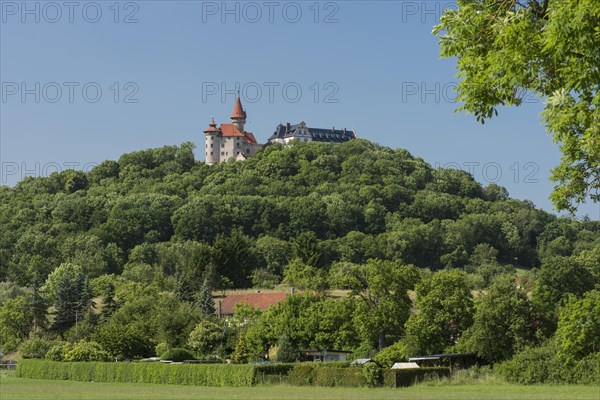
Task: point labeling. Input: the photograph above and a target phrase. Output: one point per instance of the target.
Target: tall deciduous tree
(558, 277)
(578, 332)
(503, 322)
(382, 287)
(16, 320)
(507, 49)
(444, 311)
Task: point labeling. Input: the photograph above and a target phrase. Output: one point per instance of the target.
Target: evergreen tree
(184, 288)
(241, 352)
(72, 300)
(110, 304)
(204, 300)
(39, 308)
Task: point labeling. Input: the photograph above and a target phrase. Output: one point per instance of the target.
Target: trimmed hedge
(409, 376)
(272, 374)
(218, 374)
(346, 377)
(274, 369)
(328, 374)
(301, 375)
(179, 374)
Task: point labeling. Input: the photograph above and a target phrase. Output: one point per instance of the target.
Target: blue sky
(165, 67)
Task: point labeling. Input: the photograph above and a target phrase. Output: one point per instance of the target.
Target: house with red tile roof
(230, 140)
(261, 301)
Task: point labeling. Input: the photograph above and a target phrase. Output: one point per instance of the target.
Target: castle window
(211, 145)
(211, 153)
(222, 153)
(238, 153)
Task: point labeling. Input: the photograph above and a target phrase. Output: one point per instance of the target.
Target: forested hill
(161, 213)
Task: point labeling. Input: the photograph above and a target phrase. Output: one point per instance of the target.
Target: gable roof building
(262, 301)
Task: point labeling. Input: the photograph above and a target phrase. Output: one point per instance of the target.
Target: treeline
(127, 256)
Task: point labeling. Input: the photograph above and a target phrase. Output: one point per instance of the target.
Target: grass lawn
(18, 388)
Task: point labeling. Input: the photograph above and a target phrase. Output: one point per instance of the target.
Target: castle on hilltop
(232, 141)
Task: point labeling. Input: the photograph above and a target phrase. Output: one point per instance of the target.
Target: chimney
(344, 131)
(287, 127)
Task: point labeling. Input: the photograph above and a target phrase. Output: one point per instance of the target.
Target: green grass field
(32, 389)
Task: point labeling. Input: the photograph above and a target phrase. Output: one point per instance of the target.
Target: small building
(287, 133)
(405, 365)
(261, 301)
(325, 355)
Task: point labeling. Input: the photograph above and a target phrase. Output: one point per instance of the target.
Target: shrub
(407, 377)
(35, 348)
(286, 351)
(372, 374)
(161, 348)
(542, 365)
(533, 366)
(301, 375)
(587, 371)
(177, 355)
(58, 351)
(460, 377)
(86, 351)
(392, 354)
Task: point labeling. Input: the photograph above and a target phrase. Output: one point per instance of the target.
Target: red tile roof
(212, 127)
(231, 130)
(238, 110)
(261, 301)
(250, 138)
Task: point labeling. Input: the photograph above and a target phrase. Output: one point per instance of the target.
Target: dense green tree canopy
(503, 323)
(444, 311)
(549, 48)
(131, 255)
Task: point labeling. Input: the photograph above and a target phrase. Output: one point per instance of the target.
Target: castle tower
(238, 116)
(212, 139)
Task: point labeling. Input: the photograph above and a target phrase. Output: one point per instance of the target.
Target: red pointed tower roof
(238, 110)
(212, 127)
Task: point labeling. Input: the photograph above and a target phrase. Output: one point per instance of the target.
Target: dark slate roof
(317, 134)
